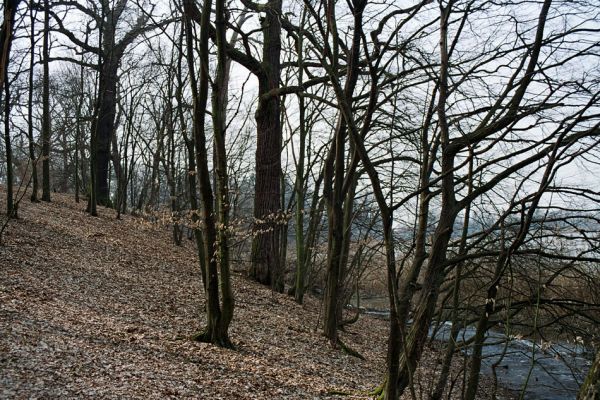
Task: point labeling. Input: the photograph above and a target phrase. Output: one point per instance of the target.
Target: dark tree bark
(6, 36)
(107, 89)
(335, 175)
(299, 184)
(191, 154)
(218, 317)
(110, 52)
(32, 156)
(434, 274)
(266, 267)
(11, 205)
(219, 112)
(46, 107)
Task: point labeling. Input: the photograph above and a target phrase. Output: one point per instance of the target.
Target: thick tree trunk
(6, 36)
(105, 125)
(266, 267)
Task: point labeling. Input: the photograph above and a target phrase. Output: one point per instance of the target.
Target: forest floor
(104, 308)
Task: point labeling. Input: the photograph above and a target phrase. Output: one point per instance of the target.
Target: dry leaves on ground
(103, 308)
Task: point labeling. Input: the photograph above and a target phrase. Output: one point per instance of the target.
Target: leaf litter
(104, 308)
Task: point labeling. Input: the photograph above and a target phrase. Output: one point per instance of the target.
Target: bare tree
(216, 261)
(109, 23)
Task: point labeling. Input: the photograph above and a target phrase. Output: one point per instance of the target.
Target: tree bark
(6, 36)
(216, 330)
(334, 175)
(299, 184)
(32, 156)
(219, 113)
(46, 107)
(266, 267)
(11, 206)
(590, 389)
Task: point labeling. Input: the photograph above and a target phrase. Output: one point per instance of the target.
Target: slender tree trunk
(348, 213)
(334, 175)
(119, 174)
(32, 156)
(155, 173)
(46, 108)
(434, 274)
(299, 186)
(93, 198)
(455, 330)
(219, 101)
(336, 236)
(170, 167)
(191, 148)
(11, 206)
(83, 164)
(283, 229)
(217, 318)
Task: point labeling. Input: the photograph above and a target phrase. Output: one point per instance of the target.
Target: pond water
(557, 369)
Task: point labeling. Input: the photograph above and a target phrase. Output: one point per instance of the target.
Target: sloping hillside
(99, 307)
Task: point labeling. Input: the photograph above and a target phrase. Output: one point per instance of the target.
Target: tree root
(336, 392)
(349, 350)
(379, 392)
(218, 340)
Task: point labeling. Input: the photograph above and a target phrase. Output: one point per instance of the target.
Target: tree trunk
(218, 319)
(334, 176)
(590, 389)
(266, 267)
(155, 173)
(299, 184)
(105, 124)
(6, 36)
(11, 206)
(219, 112)
(455, 330)
(46, 109)
(32, 156)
